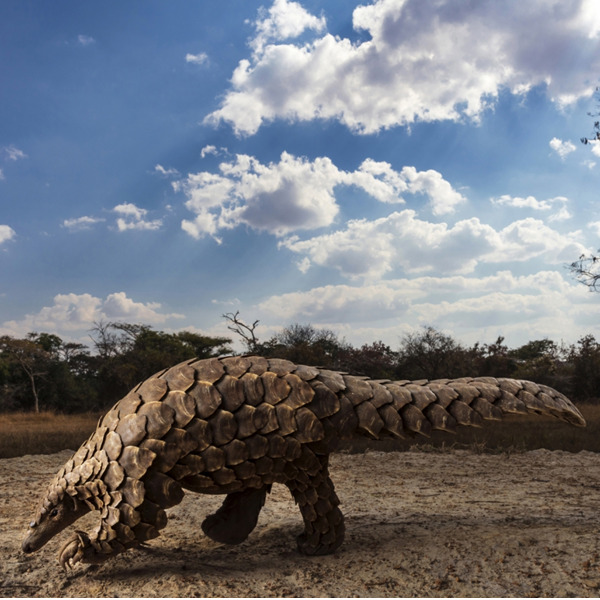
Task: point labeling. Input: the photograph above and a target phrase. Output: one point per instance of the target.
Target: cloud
(372, 249)
(230, 302)
(297, 194)
(196, 59)
(6, 233)
(532, 203)
(279, 197)
(529, 202)
(166, 172)
(343, 303)
(475, 309)
(399, 241)
(563, 149)
(85, 40)
(119, 306)
(209, 149)
(421, 61)
(133, 217)
(595, 146)
(13, 153)
(563, 214)
(394, 298)
(284, 20)
(595, 226)
(496, 309)
(531, 238)
(382, 182)
(78, 312)
(81, 223)
(444, 199)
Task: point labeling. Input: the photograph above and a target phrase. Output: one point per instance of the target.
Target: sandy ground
(418, 524)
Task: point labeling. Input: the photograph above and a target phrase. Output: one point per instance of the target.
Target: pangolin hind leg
(323, 520)
(237, 517)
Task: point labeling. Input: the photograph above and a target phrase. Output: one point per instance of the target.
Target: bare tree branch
(246, 332)
(587, 271)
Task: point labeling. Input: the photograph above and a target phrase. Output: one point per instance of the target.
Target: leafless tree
(30, 357)
(596, 133)
(586, 269)
(246, 332)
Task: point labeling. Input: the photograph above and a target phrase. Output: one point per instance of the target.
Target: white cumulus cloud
(133, 217)
(298, 194)
(78, 312)
(562, 148)
(208, 149)
(395, 297)
(343, 303)
(196, 59)
(6, 233)
(528, 202)
(558, 202)
(444, 199)
(595, 226)
(423, 60)
(595, 146)
(81, 223)
(563, 214)
(279, 197)
(282, 21)
(371, 249)
(475, 309)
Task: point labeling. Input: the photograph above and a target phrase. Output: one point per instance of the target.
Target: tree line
(43, 372)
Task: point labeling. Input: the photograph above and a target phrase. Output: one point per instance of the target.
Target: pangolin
(235, 426)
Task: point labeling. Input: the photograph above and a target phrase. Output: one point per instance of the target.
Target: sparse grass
(45, 433)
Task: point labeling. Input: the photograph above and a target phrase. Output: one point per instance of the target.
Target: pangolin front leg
(237, 517)
(85, 549)
(323, 520)
(121, 528)
(94, 549)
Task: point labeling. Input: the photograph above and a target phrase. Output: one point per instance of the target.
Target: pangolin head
(58, 509)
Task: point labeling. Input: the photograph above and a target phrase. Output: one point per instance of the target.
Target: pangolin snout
(31, 543)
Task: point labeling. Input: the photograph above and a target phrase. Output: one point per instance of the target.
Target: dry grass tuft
(43, 433)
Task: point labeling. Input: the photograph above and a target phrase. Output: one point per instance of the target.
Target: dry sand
(418, 524)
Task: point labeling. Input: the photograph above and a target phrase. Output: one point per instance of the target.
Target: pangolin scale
(237, 425)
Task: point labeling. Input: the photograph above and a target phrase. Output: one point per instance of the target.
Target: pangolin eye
(54, 512)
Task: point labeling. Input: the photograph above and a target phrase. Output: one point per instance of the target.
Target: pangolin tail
(379, 408)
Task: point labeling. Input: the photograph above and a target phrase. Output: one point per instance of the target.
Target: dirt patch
(418, 524)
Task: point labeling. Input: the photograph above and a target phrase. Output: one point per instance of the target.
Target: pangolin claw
(72, 552)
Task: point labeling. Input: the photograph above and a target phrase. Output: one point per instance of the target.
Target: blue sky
(366, 168)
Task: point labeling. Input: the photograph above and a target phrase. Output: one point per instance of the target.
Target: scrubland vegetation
(53, 392)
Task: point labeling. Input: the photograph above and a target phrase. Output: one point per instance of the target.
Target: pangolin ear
(77, 503)
(71, 502)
